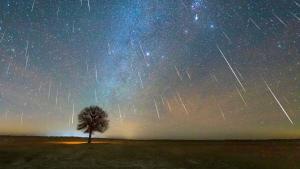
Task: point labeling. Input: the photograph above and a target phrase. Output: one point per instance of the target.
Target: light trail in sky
(237, 78)
(279, 104)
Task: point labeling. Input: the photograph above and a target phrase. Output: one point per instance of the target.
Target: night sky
(162, 69)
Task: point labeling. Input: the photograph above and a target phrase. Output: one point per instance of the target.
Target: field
(72, 153)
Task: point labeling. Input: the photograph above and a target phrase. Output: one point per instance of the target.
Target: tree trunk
(90, 137)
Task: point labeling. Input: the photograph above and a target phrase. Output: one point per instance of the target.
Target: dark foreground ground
(69, 153)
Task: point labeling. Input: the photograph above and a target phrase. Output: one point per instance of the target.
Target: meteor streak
(254, 23)
(26, 55)
(120, 114)
(240, 95)
(157, 111)
(8, 67)
(237, 78)
(169, 106)
(142, 50)
(141, 81)
(88, 2)
(26, 48)
(72, 120)
(49, 90)
(96, 74)
(178, 73)
(40, 88)
(32, 6)
(213, 77)
(280, 20)
(183, 105)
(239, 73)
(26, 63)
(270, 90)
(227, 37)
(297, 4)
(56, 97)
(188, 74)
(219, 107)
(87, 66)
(162, 100)
(57, 12)
(221, 111)
(134, 108)
(298, 18)
(21, 118)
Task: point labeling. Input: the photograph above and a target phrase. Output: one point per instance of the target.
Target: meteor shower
(150, 84)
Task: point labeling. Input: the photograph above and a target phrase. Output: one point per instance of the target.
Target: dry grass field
(73, 153)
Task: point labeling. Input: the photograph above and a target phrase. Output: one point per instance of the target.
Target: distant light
(279, 45)
(212, 26)
(196, 17)
(147, 53)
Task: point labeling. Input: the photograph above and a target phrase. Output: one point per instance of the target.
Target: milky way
(166, 69)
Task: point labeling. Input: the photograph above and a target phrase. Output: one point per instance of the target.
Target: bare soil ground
(73, 153)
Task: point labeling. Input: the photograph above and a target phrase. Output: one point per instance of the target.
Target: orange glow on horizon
(83, 142)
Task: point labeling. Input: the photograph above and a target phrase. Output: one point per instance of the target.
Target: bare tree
(92, 119)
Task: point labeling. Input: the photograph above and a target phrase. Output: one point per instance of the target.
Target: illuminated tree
(92, 119)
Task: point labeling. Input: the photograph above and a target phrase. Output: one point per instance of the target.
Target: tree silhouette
(92, 119)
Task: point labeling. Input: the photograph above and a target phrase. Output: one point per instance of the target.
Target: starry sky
(162, 69)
